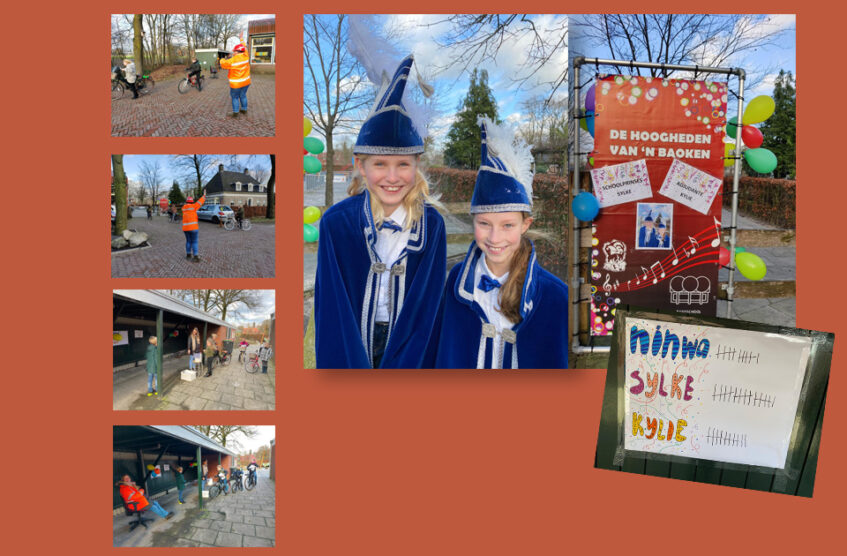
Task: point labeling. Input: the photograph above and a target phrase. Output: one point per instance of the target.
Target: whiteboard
(712, 393)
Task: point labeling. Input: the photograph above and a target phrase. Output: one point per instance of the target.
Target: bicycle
(216, 488)
(231, 223)
(252, 364)
(143, 83)
(236, 483)
(250, 482)
(185, 84)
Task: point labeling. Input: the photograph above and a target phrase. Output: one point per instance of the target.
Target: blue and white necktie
(390, 225)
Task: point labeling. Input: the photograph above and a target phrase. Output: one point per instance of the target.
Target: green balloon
(732, 127)
(311, 164)
(740, 250)
(760, 160)
(311, 215)
(750, 265)
(310, 233)
(314, 146)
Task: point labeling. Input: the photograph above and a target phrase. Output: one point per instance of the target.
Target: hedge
(770, 200)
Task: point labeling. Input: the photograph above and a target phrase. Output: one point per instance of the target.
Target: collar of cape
(417, 235)
(464, 286)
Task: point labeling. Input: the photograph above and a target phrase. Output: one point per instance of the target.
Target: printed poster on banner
(712, 393)
(658, 251)
(687, 185)
(621, 183)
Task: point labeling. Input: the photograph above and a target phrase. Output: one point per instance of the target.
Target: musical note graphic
(694, 245)
(662, 275)
(717, 240)
(675, 260)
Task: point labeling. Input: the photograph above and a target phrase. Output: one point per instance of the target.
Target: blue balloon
(589, 121)
(585, 206)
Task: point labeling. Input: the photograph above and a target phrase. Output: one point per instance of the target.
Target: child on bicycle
(194, 70)
(222, 476)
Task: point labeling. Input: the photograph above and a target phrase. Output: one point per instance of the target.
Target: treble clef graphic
(607, 286)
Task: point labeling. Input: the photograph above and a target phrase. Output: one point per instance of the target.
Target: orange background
(368, 463)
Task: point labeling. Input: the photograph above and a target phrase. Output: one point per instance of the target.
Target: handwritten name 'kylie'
(656, 428)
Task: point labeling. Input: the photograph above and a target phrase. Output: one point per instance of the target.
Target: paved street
(164, 112)
(229, 387)
(244, 519)
(223, 254)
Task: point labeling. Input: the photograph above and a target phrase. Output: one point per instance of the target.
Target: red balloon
(723, 257)
(751, 136)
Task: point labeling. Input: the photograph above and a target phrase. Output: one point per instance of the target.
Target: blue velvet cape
(464, 339)
(346, 288)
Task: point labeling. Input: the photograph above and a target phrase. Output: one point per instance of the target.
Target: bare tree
(333, 84)
(472, 39)
(195, 169)
(151, 177)
(690, 39)
(223, 433)
(119, 181)
(224, 299)
(138, 43)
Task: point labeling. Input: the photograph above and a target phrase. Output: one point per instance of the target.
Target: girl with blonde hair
(382, 251)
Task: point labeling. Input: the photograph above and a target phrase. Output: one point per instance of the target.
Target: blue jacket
(346, 282)
(461, 339)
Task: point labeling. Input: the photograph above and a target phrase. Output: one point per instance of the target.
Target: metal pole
(200, 478)
(739, 144)
(160, 319)
(575, 239)
(657, 65)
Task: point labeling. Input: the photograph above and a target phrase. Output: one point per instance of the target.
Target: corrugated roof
(192, 435)
(161, 300)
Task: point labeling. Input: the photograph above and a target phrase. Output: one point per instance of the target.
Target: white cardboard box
(188, 375)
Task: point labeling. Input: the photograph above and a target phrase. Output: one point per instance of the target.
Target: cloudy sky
(245, 445)
(425, 35)
(239, 315)
(132, 165)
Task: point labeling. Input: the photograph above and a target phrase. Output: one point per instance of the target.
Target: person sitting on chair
(132, 495)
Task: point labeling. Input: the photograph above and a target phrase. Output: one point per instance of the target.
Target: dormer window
(238, 186)
(250, 187)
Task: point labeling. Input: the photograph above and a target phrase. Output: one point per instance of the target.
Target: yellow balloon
(150, 467)
(727, 147)
(760, 109)
(307, 127)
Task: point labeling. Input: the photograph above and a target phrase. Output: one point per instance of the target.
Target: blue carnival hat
(394, 125)
(504, 180)
(388, 128)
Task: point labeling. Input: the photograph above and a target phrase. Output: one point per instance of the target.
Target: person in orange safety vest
(135, 500)
(239, 77)
(191, 228)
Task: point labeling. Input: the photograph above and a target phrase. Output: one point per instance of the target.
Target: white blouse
(389, 245)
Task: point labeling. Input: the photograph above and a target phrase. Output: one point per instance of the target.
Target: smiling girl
(382, 251)
(500, 309)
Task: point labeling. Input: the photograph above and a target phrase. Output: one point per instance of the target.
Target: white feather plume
(380, 60)
(511, 149)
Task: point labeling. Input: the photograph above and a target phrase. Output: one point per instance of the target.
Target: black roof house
(232, 182)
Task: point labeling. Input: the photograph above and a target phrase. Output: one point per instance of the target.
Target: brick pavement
(223, 254)
(164, 112)
(229, 387)
(244, 519)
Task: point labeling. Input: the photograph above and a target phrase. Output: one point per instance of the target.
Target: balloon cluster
(311, 145)
(750, 265)
(585, 206)
(310, 216)
(761, 160)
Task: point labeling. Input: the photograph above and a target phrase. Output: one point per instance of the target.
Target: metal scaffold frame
(577, 113)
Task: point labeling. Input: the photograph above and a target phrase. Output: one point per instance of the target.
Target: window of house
(262, 50)
(238, 186)
(250, 187)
